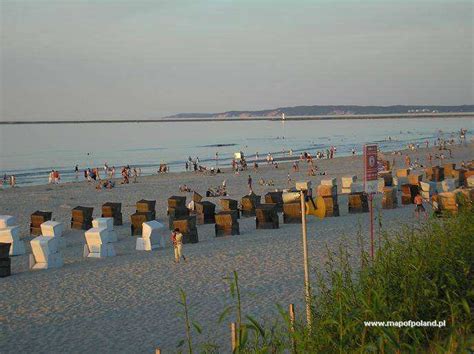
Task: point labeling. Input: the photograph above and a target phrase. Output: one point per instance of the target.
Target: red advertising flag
(370, 168)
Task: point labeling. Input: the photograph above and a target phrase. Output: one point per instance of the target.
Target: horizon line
(252, 118)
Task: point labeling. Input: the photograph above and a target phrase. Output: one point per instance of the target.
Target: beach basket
(226, 223)
(331, 182)
(176, 202)
(196, 197)
(249, 203)
(449, 168)
(387, 177)
(389, 198)
(137, 219)
(146, 205)
(409, 191)
(291, 197)
(358, 203)
(81, 218)
(275, 198)
(403, 172)
(205, 212)
(292, 213)
(176, 213)
(230, 205)
(37, 218)
(327, 191)
(448, 202)
(438, 174)
(332, 206)
(459, 174)
(5, 260)
(113, 210)
(187, 226)
(346, 182)
(414, 178)
(266, 217)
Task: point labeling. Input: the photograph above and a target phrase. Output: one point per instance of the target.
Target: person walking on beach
(76, 171)
(419, 208)
(249, 183)
(407, 161)
(177, 239)
(12, 181)
(135, 175)
(56, 177)
(353, 152)
(125, 175)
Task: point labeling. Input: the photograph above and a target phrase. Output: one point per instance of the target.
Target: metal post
(371, 226)
(306, 261)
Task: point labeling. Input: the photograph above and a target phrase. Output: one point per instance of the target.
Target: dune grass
(421, 273)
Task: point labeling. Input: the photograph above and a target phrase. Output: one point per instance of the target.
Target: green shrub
(418, 274)
(423, 273)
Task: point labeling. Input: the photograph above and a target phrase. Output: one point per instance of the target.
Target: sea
(31, 151)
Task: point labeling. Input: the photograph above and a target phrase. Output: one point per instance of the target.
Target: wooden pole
(305, 261)
(292, 326)
(233, 336)
(158, 351)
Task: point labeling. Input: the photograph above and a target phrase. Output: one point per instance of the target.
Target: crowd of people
(127, 174)
(239, 162)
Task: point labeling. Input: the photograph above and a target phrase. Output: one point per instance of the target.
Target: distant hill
(329, 110)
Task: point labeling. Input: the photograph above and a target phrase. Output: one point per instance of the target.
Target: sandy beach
(128, 303)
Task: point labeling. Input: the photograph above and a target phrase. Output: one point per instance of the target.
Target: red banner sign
(370, 166)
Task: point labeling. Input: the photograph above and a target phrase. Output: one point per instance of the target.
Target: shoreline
(256, 118)
(284, 161)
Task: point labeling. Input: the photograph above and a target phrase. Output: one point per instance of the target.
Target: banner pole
(371, 196)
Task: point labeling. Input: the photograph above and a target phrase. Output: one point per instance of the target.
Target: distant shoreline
(237, 119)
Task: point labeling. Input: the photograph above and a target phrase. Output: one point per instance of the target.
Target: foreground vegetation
(423, 273)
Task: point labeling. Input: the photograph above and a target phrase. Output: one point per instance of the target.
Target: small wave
(145, 149)
(218, 145)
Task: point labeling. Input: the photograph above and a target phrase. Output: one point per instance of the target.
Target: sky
(75, 59)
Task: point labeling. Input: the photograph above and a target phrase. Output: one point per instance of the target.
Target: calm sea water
(31, 151)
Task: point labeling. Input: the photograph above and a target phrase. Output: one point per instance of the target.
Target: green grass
(418, 274)
(423, 273)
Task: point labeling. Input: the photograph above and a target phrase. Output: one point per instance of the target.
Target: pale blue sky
(144, 59)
